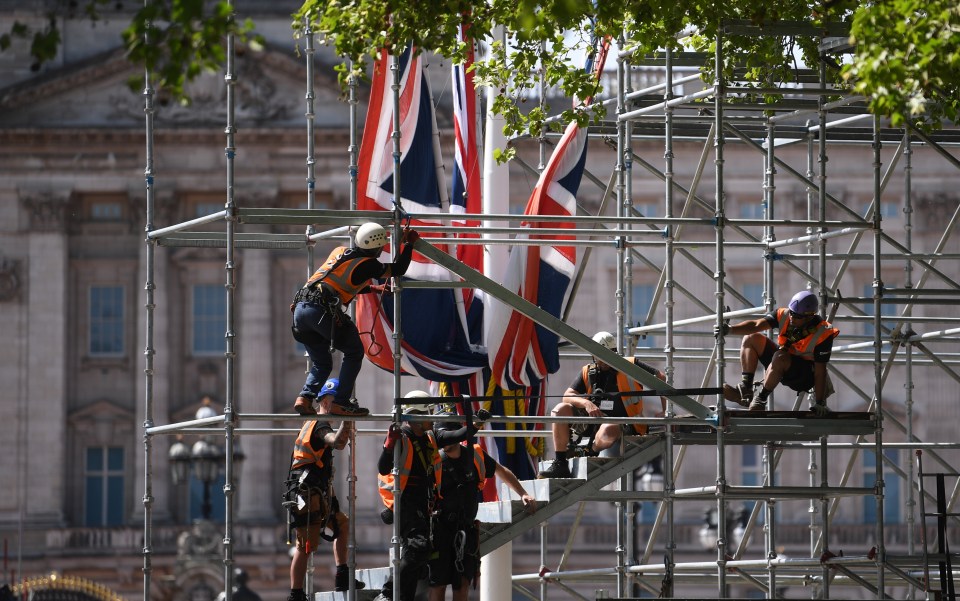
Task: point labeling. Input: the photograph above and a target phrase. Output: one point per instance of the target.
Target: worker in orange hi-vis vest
(798, 358)
(311, 500)
(594, 394)
(321, 324)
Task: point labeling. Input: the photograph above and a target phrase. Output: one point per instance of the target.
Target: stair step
(373, 577)
(500, 512)
(538, 489)
(362, 595)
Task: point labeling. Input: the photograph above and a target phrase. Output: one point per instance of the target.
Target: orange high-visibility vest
(336, 273)
(406, 463)
(804, 347)
(303, 453)
(632, 404)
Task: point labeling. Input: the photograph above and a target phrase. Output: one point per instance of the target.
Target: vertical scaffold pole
(878, 355)
(669, 486)
(822, 263)
(718, 94)
(623, 253)
(149, 351)
(908, 350)
(230, 410)
(395, 281)
(352, 476)
(309, 51)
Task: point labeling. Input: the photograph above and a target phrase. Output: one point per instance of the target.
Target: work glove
(482, 415)
(411, 236)
(721, 330)
(820, 409)
(393, 435)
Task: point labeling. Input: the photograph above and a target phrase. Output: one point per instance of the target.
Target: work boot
(820, 409)
(304, 406)
(557, 469)
(297, 595)
(739, 394)
(758, 403)
(342, 582)
(348, 408)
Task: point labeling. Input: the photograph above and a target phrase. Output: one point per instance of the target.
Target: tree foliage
(906, 57)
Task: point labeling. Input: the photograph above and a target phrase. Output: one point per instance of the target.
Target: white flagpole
(496, 199)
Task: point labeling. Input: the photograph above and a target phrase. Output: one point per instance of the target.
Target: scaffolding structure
(810, 112)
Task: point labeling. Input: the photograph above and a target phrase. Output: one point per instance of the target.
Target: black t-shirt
(605, 380)
(458, 488)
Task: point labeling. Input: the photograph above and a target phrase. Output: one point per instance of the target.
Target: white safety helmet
(370, 236)
(417, 408)
(606, 340)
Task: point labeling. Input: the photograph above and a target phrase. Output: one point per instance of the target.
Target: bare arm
(663, 399)
(749, 326)
(339, 439)
(572, 397)
(529, 503)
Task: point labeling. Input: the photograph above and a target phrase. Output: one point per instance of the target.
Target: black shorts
(799, 375)
(444, 567)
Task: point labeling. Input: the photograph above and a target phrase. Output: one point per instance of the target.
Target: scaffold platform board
(761, 427)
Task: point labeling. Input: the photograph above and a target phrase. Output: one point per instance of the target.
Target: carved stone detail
(259, 100)
(47, 209)
(10, 279)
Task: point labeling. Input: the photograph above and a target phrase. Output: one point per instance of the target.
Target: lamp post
(204, 457)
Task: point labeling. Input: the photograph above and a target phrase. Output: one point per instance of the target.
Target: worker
(798, 358)
(594, 393)
(419, 482)
(321, 324)
(455, 560)
(311, 500)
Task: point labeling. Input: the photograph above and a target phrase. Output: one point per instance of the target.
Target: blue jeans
(313, 327)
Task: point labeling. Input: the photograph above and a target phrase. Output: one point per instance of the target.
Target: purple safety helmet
(804, 302)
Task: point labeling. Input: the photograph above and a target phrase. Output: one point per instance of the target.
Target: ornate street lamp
(204, 457)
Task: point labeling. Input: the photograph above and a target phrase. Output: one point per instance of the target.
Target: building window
(891, 489)
(750, 469)
(209, 319)
(217, 499)
(207, 208)
(642, 299)
(649, 209)
(106, 321)
(751, 210)
(754, 294)
(103, 476)
(888, 210)
(106, 211)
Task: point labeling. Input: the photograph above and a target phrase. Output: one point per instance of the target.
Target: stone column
(46, 350)
(258, 496)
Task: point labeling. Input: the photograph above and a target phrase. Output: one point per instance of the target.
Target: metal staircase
(502, 521)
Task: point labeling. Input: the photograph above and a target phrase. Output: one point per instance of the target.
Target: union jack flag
(433, 323)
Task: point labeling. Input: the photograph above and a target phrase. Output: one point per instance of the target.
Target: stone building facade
(72, 273)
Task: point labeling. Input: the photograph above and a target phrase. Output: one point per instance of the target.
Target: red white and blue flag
(433, 323)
